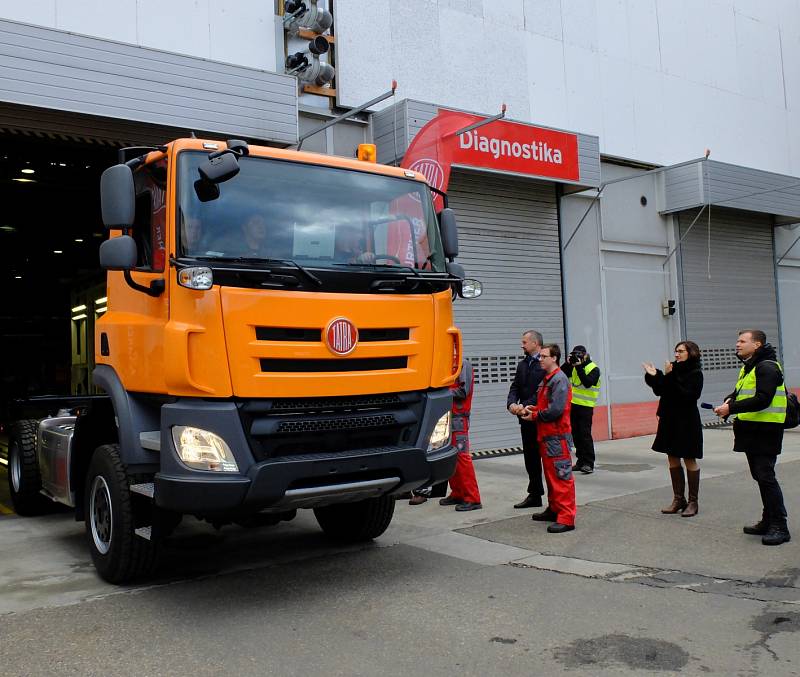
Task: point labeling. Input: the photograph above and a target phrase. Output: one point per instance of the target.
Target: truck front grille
(296, 426)
(276, 365)
(315, 335)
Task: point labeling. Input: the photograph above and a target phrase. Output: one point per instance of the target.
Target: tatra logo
(341, 336)
(431, 170)
(535, 150)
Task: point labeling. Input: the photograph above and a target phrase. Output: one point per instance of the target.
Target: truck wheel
(353, 522)
(119, 555)
(24, 480)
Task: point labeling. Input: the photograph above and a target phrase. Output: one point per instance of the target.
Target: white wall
(239, 32)
(656, 80)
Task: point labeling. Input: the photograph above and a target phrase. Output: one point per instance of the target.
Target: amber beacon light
(367, 152)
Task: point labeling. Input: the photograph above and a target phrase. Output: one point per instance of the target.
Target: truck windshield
(315, 215)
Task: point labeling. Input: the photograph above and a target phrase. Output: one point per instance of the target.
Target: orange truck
(279, 335)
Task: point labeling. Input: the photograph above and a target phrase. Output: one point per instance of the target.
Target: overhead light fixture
(62, 164)
(82, 316)
(8, 229)
(101, 302)
(100, 311)
(78, 239)
(21, 180)
(28, 171)
(17, 277)
(79, 308)
(58, 251)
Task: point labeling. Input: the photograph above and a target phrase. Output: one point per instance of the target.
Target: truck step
(144, 532)
(146, 489)
(151, 440)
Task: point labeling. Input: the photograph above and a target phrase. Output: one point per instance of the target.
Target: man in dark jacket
(584, 375)
(521, 394)
(759, 404)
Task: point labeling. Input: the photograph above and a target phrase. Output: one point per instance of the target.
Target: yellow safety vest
(586, 397)
(746, 387)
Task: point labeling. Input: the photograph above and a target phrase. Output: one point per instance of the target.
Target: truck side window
(149, 226)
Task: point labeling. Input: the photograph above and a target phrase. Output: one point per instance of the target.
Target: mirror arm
(155, 289)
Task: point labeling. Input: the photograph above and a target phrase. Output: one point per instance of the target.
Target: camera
(575, 357)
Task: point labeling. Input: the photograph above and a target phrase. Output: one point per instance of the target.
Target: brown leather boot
(678, 487)
(693, 480)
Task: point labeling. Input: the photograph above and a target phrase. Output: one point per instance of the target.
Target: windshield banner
(500, 146)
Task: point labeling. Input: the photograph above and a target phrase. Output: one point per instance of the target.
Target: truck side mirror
(220, 168)
(118, 253)
(117, 197)
(449, 231)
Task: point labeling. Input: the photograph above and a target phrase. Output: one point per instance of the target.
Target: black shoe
(449, 500)
(758, 529)
(586, 469)
(546, 515)
(776, 536)
(464, 507)
(530, 501)
(559, 528)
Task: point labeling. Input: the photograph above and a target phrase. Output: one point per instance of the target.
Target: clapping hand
(667, 367)
(649, 367)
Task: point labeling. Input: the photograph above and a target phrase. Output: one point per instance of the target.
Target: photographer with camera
(584, 375)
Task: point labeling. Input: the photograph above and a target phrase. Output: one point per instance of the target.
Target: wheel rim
(101, 515)
(15, 467)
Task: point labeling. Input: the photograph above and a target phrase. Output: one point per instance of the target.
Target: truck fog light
(203, 450)
(441, 433)
(196, 277)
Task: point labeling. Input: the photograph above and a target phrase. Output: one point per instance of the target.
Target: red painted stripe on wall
(633, 418)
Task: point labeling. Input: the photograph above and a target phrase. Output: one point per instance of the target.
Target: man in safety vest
(584, 375)
(759, 404)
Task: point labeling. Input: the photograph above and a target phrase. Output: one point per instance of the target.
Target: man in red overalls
(464, 492)
(554, 433)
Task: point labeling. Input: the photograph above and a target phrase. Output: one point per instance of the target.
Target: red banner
(499, 146)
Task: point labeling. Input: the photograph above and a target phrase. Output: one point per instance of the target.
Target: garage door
(508, 237)
(728, 285)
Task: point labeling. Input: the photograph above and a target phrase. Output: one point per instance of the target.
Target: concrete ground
(631, 591)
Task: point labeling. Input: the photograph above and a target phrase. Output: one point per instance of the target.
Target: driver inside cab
(350, 246)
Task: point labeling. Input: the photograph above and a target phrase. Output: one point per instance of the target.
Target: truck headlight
(197, 277)
(203, 450)
(441, 433)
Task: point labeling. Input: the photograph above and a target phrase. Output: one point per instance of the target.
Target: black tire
(354, 522)
(24, 479)
(119, 555)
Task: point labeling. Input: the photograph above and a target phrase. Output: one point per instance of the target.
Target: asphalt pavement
(630, 591)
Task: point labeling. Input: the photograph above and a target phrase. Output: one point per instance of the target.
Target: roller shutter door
(508, 239)
(728, 285)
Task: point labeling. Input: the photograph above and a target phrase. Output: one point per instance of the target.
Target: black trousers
(533, 462)
(762, 469)
(581, 420)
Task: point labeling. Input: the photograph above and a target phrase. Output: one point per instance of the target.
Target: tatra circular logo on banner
(431, 170)
(341, 336)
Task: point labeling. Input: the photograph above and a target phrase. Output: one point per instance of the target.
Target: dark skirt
(680, 436)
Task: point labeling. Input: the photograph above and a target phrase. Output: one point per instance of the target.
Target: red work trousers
(557, 465)
(463, 483)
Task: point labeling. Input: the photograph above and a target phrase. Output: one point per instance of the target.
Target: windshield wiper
(302, 269)
(382, 266)
(256, 259)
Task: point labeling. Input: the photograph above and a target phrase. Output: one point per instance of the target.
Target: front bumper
(301, 480)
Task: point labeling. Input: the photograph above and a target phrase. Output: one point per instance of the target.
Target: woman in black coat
(680, 433)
